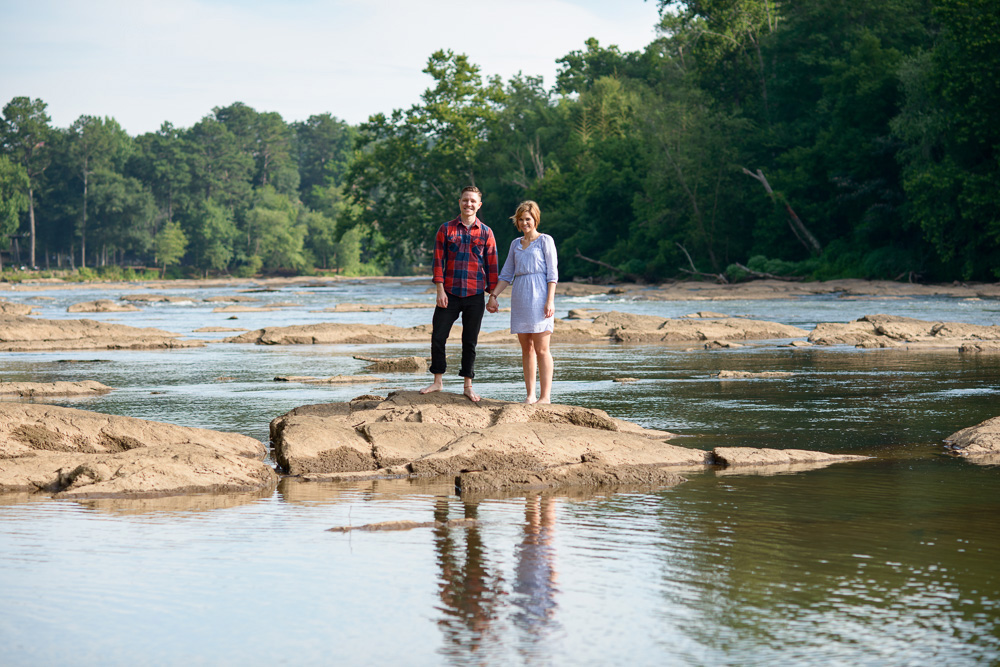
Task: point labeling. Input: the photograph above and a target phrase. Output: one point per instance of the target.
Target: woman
(532, 268)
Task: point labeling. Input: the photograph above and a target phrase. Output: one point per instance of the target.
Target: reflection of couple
(465, 267)
(472, 594)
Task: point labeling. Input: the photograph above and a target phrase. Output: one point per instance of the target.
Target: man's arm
(439, 267)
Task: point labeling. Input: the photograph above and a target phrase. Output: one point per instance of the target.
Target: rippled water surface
(891, 561)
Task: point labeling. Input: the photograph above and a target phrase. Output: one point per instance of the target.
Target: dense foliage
(815, 138)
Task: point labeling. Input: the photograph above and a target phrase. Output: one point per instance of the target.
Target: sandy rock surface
(156, 298)
(892, 331)
(751, 456)
(11, 308)
(26, 334)
(490, 446)
(979, 443)
(631, 328)
(79, 454)
(330, 333)
(394, 364)
(747, 375)
(102, 306)
(39, 389)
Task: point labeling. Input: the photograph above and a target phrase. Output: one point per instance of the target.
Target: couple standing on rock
(465, 267)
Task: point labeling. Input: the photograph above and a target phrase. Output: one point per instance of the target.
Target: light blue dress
(529, 271)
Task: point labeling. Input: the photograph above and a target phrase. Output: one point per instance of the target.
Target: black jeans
(471, 308)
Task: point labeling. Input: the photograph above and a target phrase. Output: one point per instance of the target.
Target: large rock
(79, 454)
(752, 456)
(27, 334)
(330, 333)
(631, 328)
(40, 389)
(490, 445)
(873, 331)
(11, 308)
(979, 443)
(102, 306)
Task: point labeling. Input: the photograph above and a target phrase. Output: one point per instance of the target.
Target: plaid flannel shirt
(465, 258)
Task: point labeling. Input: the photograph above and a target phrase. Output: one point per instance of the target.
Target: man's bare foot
(432, 387)
(543, 401)
(473, 396)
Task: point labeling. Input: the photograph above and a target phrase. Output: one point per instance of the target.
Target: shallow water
(887, 561)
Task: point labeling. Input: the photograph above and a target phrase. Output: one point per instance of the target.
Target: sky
(144, 62)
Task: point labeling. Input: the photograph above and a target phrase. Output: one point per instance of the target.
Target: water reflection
(479, 605)
(471, 587)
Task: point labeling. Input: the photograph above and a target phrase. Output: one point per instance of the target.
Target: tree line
(809, 139)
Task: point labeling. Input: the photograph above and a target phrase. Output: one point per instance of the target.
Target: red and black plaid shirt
(465, 258)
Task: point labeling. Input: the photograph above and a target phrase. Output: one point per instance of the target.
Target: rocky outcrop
(156, 298)
(11, 308)
(394, 364)
(489, 446)
(751, 456)
(41, 389)
(78, 454)
(749, 375)
(979, 443)
(331, 333)
(102, 306)
(892, 331)
(27, 334)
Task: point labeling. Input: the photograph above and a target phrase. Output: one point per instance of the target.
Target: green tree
(14, 185)
(95, 144)
(213, 237)
(275, 232)
(23, 133)
(169, 245)
(324, 148)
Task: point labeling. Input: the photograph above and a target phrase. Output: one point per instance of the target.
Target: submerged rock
(28, 334)
(752, 456)
(746, 375)
(38, 389)
(79, 454)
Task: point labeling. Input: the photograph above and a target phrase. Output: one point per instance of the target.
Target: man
(465, 267)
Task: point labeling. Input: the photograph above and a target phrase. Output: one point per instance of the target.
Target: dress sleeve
(551, 260)
(507, 273)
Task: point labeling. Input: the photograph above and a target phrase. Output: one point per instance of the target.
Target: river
(890, 561)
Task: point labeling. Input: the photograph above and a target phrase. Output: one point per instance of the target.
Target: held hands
(492, 306)
(550, 308)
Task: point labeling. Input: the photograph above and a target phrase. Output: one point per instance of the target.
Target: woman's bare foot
(473, 396)
(543, 401)
(437, 385)
(529, 400)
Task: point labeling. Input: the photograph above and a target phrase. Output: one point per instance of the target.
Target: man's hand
(442, 296)
(492, 306)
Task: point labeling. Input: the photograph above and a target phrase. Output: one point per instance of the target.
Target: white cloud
(146, 62)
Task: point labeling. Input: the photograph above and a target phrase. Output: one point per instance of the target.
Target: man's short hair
(471, 188)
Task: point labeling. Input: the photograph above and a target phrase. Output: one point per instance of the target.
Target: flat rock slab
(336, 379)
(632, 328)
(79, 454)
(749, 375)
(892, 331)
(28, 334)
(11, 308)
(979, 443)
(102, 306)
(578, 475)
(383, 526)
(751, 456)
(40, 389)
(157, 298)
(394, 364)
(332, 333)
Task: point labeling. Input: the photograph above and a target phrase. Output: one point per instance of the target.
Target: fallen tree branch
(719, 277)
(762, 274)
(798, 227)
(631, 277)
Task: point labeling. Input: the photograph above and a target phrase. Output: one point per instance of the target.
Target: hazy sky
(146, 62)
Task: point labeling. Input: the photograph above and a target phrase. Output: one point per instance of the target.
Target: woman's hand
(550, 308)
(492, 305)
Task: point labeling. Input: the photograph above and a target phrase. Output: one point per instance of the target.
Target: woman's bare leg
(541, 344)
(528, 363)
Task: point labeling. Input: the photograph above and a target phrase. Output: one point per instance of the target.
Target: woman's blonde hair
(531, 208)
